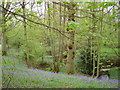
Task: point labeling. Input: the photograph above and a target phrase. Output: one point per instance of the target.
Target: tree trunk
(93, 41)
(4, 28)
(55, 57)
(99, 46)
(25, 33)
(60, 37)
(52, 39)
(70, 41)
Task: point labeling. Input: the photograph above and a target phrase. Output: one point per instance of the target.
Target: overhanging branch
(36, 22)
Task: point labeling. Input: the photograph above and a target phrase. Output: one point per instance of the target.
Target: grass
(17, 75)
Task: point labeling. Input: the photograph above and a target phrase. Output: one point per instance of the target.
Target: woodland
(59, 44)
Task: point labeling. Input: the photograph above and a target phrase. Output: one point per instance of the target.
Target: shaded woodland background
(68, 37)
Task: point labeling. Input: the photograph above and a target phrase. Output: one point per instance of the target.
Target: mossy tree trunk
(70, 41)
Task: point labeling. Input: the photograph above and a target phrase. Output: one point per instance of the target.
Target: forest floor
(17, 75)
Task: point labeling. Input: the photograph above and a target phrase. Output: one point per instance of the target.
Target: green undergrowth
(16, 75)
(109, 53)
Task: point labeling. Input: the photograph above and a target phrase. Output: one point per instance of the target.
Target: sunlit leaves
(18, 10)
(72, 25)
(116, 25)
(99, 5)
(50, 10)
(93, 6)
(39, 2)
(107, 4)
(2, 17)
(65, 53)
(75, 4)
(100, 16)
(95, 34)
(66, 3)
(91, 2)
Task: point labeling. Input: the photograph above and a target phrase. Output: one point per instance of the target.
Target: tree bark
(25, 33)
(4, 30)
(60, 36)
(55, 57)
(99, 45)
(93, 42)
(70, 42)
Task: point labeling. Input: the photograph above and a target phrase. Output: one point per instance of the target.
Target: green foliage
(2, 17)
(71, 25)
(36, 52)
(65, 53)
(101, 5)
(97, 35)
(109, 53)
(93, 6)
(114, 73)
(39, 2)
(48, 69)
(65, 3)
(107, 4)
(18, 10)
(52, 9)
(62, 67)
(84, 61)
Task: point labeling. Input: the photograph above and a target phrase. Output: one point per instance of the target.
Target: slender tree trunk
(52, 38)
(1, 27)
(49, 30)
(55, 57)
(93, 41)
(60, 36)
(99, 46)
(25, 33)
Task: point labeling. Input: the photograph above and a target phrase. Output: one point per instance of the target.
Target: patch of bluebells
(40, 78)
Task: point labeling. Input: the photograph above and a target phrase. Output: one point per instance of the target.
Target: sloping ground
(16, 74)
